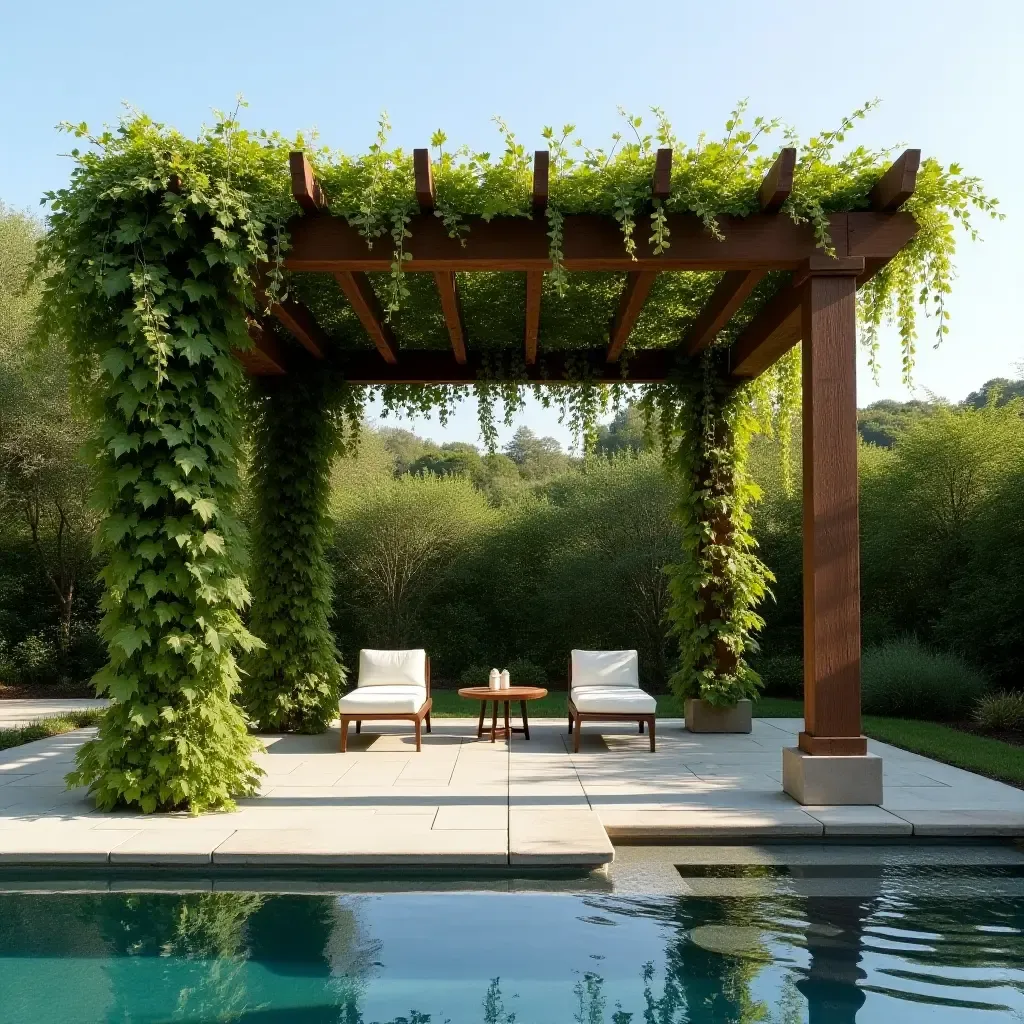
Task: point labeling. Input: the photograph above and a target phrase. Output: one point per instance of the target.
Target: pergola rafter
(750, 248)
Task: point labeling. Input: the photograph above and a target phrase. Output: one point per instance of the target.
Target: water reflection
(257, 959)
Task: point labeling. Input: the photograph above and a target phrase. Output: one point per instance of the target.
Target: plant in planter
(717, 586)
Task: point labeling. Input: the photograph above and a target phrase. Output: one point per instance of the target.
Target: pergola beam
(305, 188)
(448, 290)
(265, 357)
(758, 242)
(661, 186)
(777, 327)
(729, 294)
(534, 291)
(647, 366)
(897, 185)
(541, 164)
(302, 325)
(631, 304)
(424, 179)
(778, 182)
(363, 300)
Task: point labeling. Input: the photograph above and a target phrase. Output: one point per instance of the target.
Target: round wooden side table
(506, 697)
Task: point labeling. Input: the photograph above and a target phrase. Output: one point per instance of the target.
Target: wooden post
(830, 522)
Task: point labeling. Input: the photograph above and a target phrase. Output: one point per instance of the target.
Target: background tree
(44, 482)
(536, 457)
(395, 542)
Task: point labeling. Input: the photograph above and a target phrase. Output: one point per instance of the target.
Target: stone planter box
(702, 717)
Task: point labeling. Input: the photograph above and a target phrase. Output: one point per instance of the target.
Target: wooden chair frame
(577, 718)
(416, 717)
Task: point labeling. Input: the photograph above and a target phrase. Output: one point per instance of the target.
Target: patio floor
(469, 802)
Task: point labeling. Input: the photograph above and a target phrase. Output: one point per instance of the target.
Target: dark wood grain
(778, 182)
(631, 304)
(305, 188)
(447, 289)
(301, 323)
(265, 358)
(541, 164)
(771, 334)
(831, 556)
(661, 186)
(758, 242)
(424, 178)
(366, 306)
(729, 294)
(897, 185)
(534, 289)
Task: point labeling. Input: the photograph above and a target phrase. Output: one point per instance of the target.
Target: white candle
(494, 680)
(506, 680)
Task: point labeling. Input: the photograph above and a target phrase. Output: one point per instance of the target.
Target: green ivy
(148, 263)
(293, 683)
(707, 424)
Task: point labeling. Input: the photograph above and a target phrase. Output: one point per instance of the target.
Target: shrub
(783, 675)
(1000, 712)
(475, 675)
(524, 672)
(904, 679)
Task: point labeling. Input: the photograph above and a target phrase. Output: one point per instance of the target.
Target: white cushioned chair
(391, 685)
(604, 686)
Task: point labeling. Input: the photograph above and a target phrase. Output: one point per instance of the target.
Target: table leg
(480, 724)
(494, 722)
(526, 723)
(508, 731)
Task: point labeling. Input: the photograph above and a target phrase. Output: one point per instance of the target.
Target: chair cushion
(390, 668)
(383, 700)
(614, 700)
(604, 668)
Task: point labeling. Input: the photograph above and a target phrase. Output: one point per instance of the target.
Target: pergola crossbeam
(778, 182)
(424, 178)
(729, 294)
(897, 185)
(447, 288)
(534, 291)
(305, 188)
(541, 164)
(265, 357)
(363, 300)
(631, 304)
(758, 242)
(302, 325)
(661, 186)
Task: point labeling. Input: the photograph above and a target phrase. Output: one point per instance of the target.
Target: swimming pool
(936, 947)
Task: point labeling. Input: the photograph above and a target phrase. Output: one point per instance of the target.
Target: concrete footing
(818, 779)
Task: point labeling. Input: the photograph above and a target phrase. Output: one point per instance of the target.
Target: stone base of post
(831, 779)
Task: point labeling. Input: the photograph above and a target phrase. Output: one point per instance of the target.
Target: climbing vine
(292, 684)
(147, 268)
(706, 425)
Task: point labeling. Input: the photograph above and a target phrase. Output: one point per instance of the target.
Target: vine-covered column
(293, 683)
(148, 262)
(717, 586)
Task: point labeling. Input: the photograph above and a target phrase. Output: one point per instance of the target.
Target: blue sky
(950, 76)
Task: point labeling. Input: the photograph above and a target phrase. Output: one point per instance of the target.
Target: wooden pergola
(817, 306)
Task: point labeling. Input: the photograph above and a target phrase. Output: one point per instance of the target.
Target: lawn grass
(993, 758)
(47, 727)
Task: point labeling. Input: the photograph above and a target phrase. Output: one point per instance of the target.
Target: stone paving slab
(462, 801)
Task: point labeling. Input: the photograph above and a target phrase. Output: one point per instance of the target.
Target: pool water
(520, 957)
